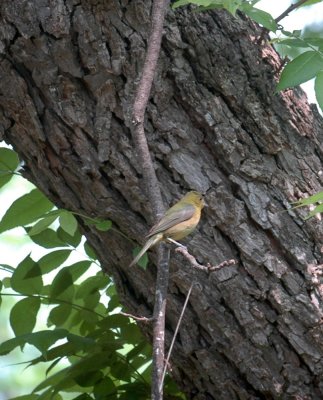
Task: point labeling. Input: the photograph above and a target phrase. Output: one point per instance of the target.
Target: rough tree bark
(68, 71)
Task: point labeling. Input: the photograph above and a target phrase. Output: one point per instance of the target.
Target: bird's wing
(173, 217)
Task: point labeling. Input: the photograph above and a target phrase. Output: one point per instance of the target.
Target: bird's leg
(174, 242)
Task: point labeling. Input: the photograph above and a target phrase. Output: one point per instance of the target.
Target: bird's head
(195, 198)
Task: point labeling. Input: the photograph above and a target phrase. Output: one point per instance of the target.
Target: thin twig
(208, 267)
(159, 8)
(182, 249)
(224, 263)
(175, 334)
(280, 17)
(142, 319)
(289, 9)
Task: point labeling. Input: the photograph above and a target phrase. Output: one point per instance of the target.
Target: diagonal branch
(291, 8)
(140, 104)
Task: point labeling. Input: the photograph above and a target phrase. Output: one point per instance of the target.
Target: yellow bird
(178, 222)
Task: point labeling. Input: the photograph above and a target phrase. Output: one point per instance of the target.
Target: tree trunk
(68, 72)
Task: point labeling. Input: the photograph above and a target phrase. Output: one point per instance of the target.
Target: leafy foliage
(89, 347)
(310, 2)
(318, 87)
(8, 164)
(230, 5)
(305, 66)
(143, 262)
(25, 210)
(315, 202)
(262, 17)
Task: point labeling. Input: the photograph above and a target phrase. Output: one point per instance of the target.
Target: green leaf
(48, 239)
(52, 365)
(26, 397)
(68, 222)
(310, 200)
(53, 260)
(42, 224)
(318, 87)
(59, 315)
(114, 321)
(27, 277)
(89, 323)
(91, 285)
(310, 2)
(6, 282)
(204, 3)
(103, 225)
(79, 268)
(65, 378)
(143, 262)
(25, 210)
(89, 251)
(131, 333)
(114, 302)
(302, 42)
(81, 343)
(49, 395)
(68, 239)
(300, 70)
(100, 224)
(69, 348)
(88, 379)
(231, 5)
(62, 281)
(318, 209)
(42, 340)
(295, 34)
(67, 276)
(121, 371)
(8, 164)
(23, 315)
(92, 300)
(52, 380)
(139, 390)
(104, 388)
(140, 350)
(261, 17)
(9, 345)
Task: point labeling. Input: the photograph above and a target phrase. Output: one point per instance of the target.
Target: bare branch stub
(136, 318)
(208, 267)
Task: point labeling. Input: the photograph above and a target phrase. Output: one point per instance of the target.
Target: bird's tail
(150, 242)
